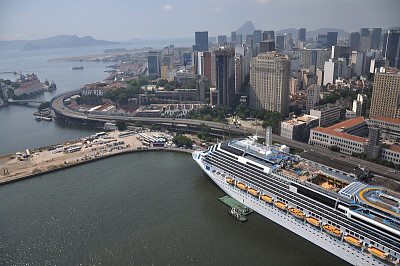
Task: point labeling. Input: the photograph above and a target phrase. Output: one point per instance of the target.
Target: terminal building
(298, 128)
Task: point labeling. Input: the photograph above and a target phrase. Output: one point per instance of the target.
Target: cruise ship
(355, 221)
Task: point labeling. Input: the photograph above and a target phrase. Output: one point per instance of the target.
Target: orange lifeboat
(280, 205)
(377, 252)
(296, 213)
(313, 221)
(267, 198)
(353, 240)
(230, 180)
(253, 191)
(242, 186)
(332, 230)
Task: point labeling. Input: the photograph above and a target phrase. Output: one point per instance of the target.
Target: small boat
(353, 240)
(267, 198)
(47, 118)
(296, 213)
(242, 186)
(280, 205)
(332, 230)
(377, 252)
(38, 118)
(230, 180)
(253, 191)
(237, 214)
(313, 221)
(77, 68)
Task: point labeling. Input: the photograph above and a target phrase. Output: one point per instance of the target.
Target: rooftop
(387, 119)
(340, 134)
(348, 123)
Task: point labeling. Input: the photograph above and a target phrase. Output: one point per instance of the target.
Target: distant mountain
(313, 33)
(246, 29)
(60, 41)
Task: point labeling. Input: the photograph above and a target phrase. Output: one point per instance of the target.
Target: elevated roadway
(318, 154)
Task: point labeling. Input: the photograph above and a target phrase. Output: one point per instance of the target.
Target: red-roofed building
(391, 153)
(327, 137)
(390, 127)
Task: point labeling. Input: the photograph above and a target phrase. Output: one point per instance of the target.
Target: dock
(234, 204)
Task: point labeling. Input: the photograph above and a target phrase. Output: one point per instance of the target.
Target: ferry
(357, 222)
(77, 68)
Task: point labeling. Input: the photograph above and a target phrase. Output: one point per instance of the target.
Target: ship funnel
(268, 136)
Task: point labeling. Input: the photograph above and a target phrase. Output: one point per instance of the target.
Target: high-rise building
(268, 35)
(341, 52)
(391, 48)
(301, 36)
(233, 36)
(312, 94)
(201, 41)
(280, 42)
(267, 46)
(203, 65)
(269, 82)
(153, 63)
(385, 95)
(365, 43)
(221, 39)
(364, 32)
(322, 41)
(376, 34)
(257, 36)
(331, 39)
(239, 72)
(225, 75)
(354, 41)
(239, 39)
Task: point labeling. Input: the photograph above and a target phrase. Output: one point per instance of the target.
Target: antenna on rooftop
(268, 136)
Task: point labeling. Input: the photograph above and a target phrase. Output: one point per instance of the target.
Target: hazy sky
(151, 19)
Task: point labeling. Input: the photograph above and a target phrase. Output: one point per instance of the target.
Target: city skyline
(117, 20)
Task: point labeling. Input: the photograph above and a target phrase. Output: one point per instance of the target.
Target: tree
(162, 82)
(334, 148)
(155, 127)
(43, 106)
(182, 141)
(138, 124)
(121, 125)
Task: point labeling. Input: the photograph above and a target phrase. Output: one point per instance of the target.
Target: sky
(119, 20)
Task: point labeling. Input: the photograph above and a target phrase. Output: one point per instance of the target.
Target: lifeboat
(377, 252)
(230, 180)
(280, 205)
(296, 213)
(313, 221)
(242, 186)
(332, 230)
(267, 198)
(353, 240)
(253, 191)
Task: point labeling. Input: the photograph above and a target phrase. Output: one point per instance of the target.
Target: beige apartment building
(386, 96)
(269, 82)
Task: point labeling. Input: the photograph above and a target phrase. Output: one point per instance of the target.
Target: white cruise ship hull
(332, 244)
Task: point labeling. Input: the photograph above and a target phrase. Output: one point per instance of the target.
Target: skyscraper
(301, 36)
(153, 63)
(386, 95)
(391, 47)
(376, 38)
(201, 41)
(221, 39)
(322, 41)
(331, 39)
(225, 75)
(257, 36)
(364, 32)
(233, 36)
(354, 41)
(267, 46)
(279, 42)
(269, 82)
(239, 39)
(268, 35)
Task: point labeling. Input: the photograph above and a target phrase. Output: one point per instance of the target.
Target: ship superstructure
(355, 221)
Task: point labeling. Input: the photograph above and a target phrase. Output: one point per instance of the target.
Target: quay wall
(123, 152)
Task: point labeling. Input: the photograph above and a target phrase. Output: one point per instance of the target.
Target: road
(321, 155)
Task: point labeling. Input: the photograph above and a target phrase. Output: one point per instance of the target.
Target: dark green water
(142, 208)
